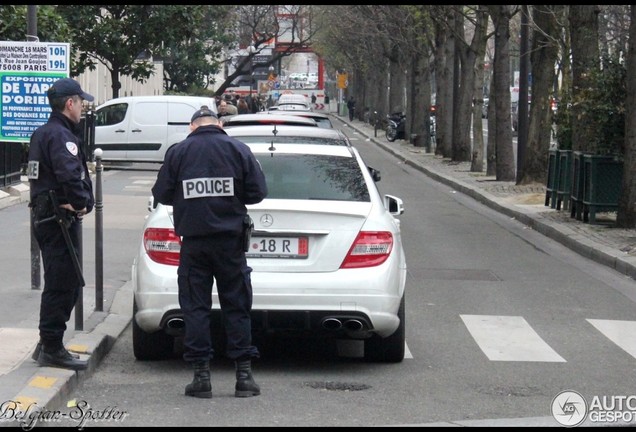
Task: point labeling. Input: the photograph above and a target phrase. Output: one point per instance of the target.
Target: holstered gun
(44, 205)
(248, 227)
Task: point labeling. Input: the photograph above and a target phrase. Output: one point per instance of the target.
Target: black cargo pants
(204, 261)
(61, 283)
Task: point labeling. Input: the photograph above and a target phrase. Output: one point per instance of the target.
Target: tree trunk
(443, 80)
(505, 170)
(478, 50)
(468, 54)
(398, 82)
(491, 148)
(626, 216)
(585, 60)
(418, 114)
(114, 79)
(458, 40)
(544, 55)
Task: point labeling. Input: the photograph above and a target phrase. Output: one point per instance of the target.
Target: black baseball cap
(204, 111)
(68, 87)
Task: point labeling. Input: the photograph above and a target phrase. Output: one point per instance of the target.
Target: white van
(141, 128)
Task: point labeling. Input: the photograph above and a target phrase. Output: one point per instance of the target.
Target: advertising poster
(27, 70)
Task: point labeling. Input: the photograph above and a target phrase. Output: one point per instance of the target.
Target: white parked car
(321, 119)
(326, 254)
(267, 118)
(288, 134)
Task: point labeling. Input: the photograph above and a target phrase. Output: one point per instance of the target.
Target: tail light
(162, 245)
(371, 248)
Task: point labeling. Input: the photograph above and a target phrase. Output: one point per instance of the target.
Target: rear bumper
(352, 303)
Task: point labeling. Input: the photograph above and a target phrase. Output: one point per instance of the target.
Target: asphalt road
(499, 321)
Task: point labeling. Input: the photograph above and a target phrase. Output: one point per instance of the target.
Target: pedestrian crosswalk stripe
(509, 338)
(622, 333)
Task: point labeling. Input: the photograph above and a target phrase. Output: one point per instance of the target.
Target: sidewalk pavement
(21, 380)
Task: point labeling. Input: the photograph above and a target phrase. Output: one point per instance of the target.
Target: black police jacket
(208, 178)
(57, 162)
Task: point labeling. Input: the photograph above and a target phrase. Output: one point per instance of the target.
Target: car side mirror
(152, 204)
(375, 174)
(393, 204)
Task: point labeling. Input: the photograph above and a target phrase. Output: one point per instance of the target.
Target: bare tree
(443, 19)
(544, 54)
(260, 24)
(585, 61)
(505, 169)
(626, 217)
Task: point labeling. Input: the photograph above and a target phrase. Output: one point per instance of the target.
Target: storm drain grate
(336, 386)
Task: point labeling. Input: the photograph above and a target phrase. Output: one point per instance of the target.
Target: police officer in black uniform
(208, 178)
(56, 163)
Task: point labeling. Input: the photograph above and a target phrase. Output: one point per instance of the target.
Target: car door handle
(120, 131)
(136, 130)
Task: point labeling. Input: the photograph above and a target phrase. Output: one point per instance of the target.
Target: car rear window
(264, 122)
(267, 139)
(313, 177)
(324, 123)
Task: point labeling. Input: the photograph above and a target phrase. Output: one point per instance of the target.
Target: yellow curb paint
(43, 382)
(24, 402)
(81, 349)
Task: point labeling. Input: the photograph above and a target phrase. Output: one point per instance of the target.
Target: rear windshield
(324, 123)
(266, 122)
(313, 177)
(291, 140)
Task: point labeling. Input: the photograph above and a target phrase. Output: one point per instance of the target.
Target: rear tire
(389, 349)
(391, 134)
(150, 346)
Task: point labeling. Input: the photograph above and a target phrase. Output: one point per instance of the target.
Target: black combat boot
(245, 385)
(38, 348)
(60, 357)
(200, 386)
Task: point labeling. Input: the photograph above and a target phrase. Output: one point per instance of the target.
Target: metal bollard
(35, 258)
(375, 124)
(99, 233)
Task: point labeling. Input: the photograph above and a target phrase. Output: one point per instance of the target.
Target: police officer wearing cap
(57, 163)
(208, 178)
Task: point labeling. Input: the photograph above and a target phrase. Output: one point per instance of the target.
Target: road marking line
(622, 333)
(509, 338)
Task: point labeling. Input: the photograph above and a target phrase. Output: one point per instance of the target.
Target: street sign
(342, 80)
(27, 70)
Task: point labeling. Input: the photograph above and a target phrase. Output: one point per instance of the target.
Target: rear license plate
(278, 247)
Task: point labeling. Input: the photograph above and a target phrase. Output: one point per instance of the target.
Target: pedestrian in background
(351, 106)
(208, 178)
(230, 107)
(242, 107)
(56, 163)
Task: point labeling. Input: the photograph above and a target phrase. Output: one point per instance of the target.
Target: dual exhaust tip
(333, 323)
(329, 323)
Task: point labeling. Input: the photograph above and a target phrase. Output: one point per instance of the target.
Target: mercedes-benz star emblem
(267, 220)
